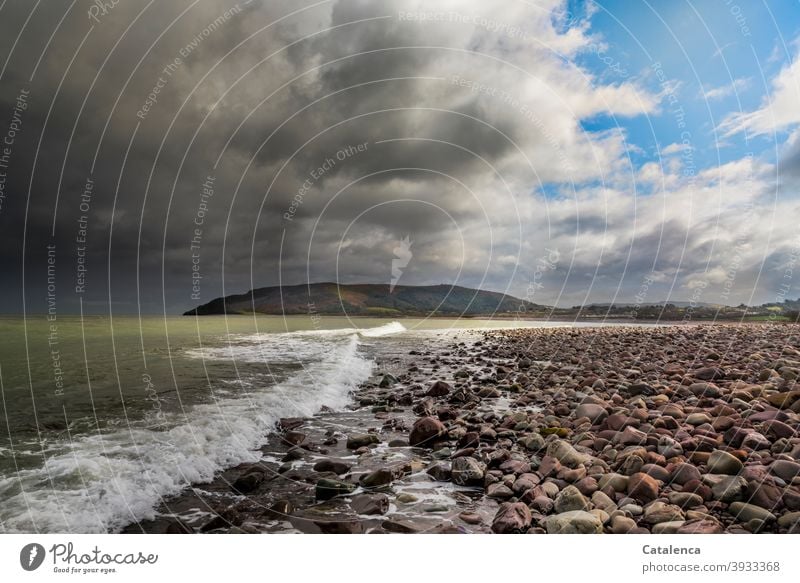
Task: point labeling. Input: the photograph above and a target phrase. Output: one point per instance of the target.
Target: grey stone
(722, 462)
(370, 503)
(729, 488)
(746, 512)
(573, 522)
(570, 499)
(467, 471)
(566, 454)
(362, 440)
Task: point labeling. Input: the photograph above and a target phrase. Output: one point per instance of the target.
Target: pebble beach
(673, 429)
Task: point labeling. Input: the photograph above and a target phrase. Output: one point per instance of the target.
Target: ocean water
(102, 417)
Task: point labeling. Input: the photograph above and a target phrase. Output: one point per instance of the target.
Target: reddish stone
(643, 487)
(764, 493)
(426, 432)
(659, 473)
(549, 466)
(706, 444)
(524, 483)
(722, 410)
(439, 389)
(735, 436)
(572, 476)
(697, 487)
(768, 415)
(653, 457)
(516, 467)
(700, 457)
(528, 496)
(700, 526)
(617, 422)
(791, 498)
(445, 413)
(778, 429)
(469, 439)
(587, 486)
(722, 423)
(512, 517)
(756, 473)
(543, 504)
(599, 444)
(756, 441)
(708, 373)
(666, 423)
(683, 473)
(630, 436)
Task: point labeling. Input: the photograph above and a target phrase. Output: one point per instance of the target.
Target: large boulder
(512, 518)
(722, 462)
(467, 471)
(439, 389)
(439, 471)
(643, 487)
(426, 432)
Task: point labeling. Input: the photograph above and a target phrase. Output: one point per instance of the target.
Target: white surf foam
(385, 330)
(271, 348)
(377, 331)
(298, 347)
(103, 482)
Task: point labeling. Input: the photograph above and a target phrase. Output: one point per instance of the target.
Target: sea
(103, 417)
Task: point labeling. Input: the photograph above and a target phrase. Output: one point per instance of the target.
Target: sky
(159, 155)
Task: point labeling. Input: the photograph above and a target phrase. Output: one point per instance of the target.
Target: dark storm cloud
(267, 140)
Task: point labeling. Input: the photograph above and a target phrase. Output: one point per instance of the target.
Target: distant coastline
(448, 301)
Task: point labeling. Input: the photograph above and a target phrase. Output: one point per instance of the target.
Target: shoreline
(677, 429)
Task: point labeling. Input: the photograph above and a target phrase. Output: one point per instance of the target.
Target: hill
(367, 300)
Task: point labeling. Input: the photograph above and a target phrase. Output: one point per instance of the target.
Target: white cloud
(778, 111)
(674, 148)
(612, 223)
(716, 93)
(715, 230)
